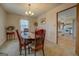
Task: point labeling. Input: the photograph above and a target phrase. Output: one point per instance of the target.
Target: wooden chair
(39, 41)
(22, 43)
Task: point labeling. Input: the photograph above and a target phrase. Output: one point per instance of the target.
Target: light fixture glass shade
(32, 13)
(26, 13)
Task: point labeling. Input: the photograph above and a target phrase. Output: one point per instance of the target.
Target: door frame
(57, 21)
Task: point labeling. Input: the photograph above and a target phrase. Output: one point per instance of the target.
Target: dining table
(28, 37)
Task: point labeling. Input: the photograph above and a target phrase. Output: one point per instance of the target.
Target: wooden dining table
(28, 37)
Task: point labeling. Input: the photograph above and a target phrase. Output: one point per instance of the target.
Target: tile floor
(11, 48)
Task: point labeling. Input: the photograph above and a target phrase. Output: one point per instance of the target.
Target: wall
(2, 26)
(14, 20)
(51, 21)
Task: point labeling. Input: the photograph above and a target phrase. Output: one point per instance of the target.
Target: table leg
(14, 36)
(25, 49)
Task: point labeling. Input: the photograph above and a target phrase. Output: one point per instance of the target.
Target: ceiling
(20, 8)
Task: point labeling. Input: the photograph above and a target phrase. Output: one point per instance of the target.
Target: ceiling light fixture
(29, 12)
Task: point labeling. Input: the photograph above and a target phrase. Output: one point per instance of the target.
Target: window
(24, 24)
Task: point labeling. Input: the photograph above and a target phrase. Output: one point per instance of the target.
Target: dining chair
(22, 43)
(39, 41)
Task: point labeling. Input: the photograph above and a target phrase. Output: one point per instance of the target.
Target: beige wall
(14, 20)
(2, 26)
(51, 21)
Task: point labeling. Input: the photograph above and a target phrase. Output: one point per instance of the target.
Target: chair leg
(29, 50)
(20, 50)
(35, 52)
(43, 51)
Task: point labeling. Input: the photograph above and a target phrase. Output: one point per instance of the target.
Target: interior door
(77, 33)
